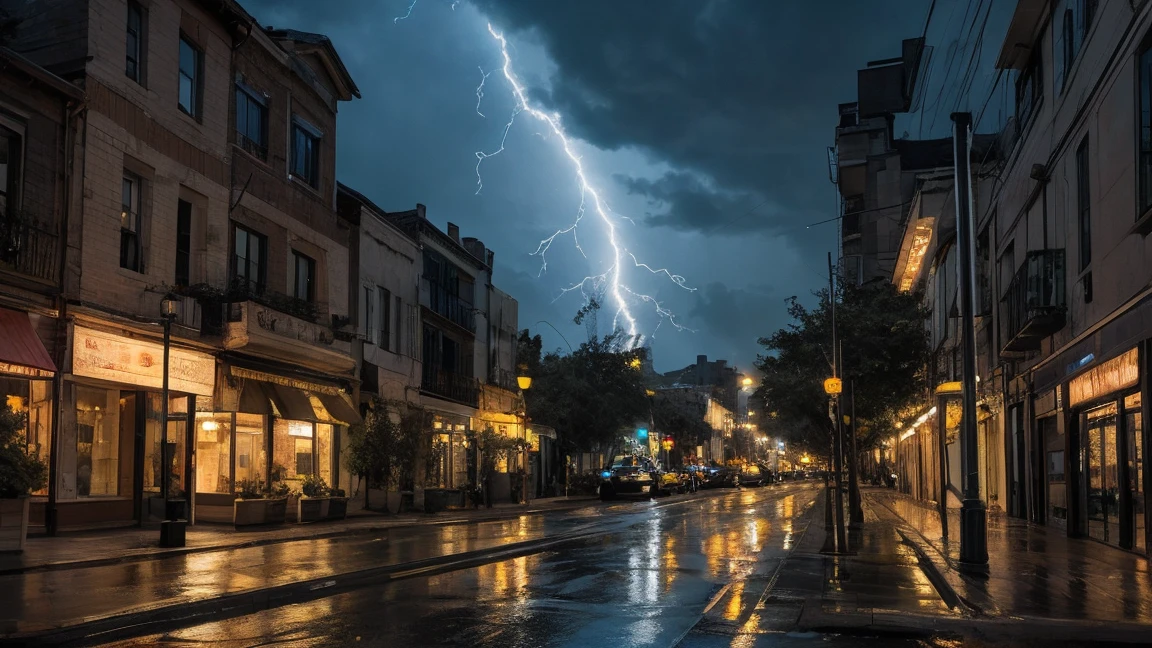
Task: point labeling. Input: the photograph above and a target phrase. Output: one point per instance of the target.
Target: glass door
(1134, 426)
(1103, 474)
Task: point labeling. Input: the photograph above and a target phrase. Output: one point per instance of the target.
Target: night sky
(702, 123)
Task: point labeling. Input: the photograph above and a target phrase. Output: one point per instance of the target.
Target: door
(1134, 430)
(1102, 473)
(1051, 490)
(1017, 472)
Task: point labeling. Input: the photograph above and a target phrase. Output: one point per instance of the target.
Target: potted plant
(250, 506)
(313, 503)
(20, 474)
(277, 506)
(337, 504)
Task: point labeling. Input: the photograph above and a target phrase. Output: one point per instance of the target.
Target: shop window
(292, 449)
(213, 453)
(33, 399)
(251, 447)
(97, 442)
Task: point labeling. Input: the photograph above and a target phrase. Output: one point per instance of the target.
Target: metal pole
(942, 432)
(837, 424)
(856, 518)
(164, 417)
(973, 516)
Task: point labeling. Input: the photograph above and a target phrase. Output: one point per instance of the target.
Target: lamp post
(171, 530)
(524, 382)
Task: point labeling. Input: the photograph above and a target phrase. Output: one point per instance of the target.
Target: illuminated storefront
(265, 427)
(26, 382)
(109, 458)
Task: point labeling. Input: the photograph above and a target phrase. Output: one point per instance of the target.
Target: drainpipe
(70, 115)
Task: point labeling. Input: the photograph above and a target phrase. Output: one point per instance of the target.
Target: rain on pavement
(646, 584)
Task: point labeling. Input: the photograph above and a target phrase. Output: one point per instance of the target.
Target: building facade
(205, 197)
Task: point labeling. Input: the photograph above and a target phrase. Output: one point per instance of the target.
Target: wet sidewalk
(92, 548)
(1034, 572)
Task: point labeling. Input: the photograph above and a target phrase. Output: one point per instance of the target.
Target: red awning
(21, 351)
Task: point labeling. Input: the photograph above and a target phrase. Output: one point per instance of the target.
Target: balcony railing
(209, 307)
(29, 247)
(449, 385)
(504, 379)
(450, 307)
(1035, 305)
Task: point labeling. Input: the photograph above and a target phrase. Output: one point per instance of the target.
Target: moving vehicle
(750, 475)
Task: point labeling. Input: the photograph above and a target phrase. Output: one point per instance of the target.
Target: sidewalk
(91, 548)
(1035, 572)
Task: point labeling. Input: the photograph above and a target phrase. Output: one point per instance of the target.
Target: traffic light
(642, 433)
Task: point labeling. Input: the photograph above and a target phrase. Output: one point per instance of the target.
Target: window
(1083, 205)
(191, 73)
(134, 45)
(252, 122)
(305, 152)
(183, 243)
(98, 414)
(1071, 30)
(385, 319)
(305, 285)
(11, 153)
(250, 259)
(130, 232)
(399, 325)
(1029, 90)
(369, 325)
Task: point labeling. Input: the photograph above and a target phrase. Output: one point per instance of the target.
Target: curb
(381, 526)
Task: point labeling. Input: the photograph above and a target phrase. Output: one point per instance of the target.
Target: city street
(646, 580)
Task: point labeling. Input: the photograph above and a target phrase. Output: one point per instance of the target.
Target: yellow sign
(106, 356)
(832, 386)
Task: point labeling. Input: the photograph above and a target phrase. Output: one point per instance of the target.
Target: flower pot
(250, 512)
(13, 523)
(277, 510)
(337, 508)
(311, 509)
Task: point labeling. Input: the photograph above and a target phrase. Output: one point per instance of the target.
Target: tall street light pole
(973, 516)
(172, 527)
(524, 381)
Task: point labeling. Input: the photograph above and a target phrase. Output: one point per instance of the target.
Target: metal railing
(450, 385)
(1034, 306)
(252, 146)
(29, 247)
(504, 379)
(450, 306)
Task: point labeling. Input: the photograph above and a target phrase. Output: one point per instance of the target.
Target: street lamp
(524, 382)
(171, 530)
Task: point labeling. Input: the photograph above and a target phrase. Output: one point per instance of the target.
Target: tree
(20, 472)
(679, 413)
(885, 349)
(590, 394)
(383, 450)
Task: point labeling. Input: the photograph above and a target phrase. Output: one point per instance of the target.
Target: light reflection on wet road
(645, 585)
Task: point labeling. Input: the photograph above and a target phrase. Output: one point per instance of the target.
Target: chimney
(454, 232)
(421, 211)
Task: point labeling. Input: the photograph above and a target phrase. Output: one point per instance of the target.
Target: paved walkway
(92, 548)
(1035, 571)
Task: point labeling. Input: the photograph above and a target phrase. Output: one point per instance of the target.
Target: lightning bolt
(409, 13)
(611, 281)
(480, 88)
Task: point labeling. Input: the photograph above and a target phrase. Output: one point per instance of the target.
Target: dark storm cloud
(684, 202)
(734, 318)
(744, 92)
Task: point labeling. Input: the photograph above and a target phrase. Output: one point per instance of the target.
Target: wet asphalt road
(647, 580)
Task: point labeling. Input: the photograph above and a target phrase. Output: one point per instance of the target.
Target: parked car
(770, 476)
(750, 475)
(629, 477)
(722, 478)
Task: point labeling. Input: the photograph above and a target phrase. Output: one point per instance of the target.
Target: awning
(293, 403)
(339, 407)
(21, 351)
(254, 399)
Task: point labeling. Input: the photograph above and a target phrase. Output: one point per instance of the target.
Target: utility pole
(973, 516)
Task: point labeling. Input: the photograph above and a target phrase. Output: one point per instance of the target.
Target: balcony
(447, 305)
(29, 248)
(503, 379)
(1035, 305)
(450, 386)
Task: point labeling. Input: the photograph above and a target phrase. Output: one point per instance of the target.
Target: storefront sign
(1105, 379)
(115, 358)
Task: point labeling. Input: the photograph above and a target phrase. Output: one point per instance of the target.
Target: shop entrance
(1113, 438)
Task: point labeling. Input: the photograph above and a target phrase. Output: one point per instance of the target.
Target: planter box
(259, 511)
(337, 508)
(314, 509)
(13, 523)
